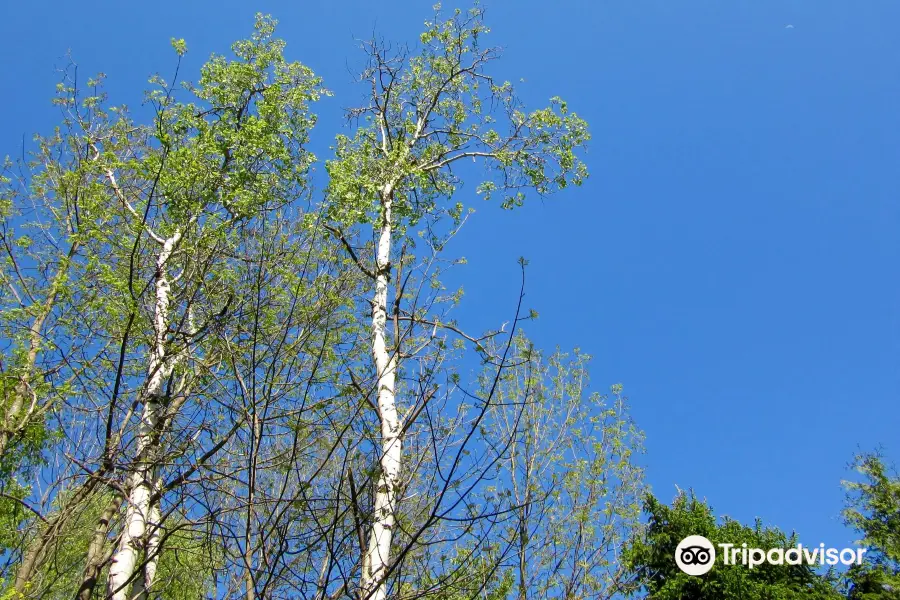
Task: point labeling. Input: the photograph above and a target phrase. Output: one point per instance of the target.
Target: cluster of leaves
(570, 472)
(437, 107)
(873, 509)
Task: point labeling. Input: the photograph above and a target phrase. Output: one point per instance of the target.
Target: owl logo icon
(695, 555)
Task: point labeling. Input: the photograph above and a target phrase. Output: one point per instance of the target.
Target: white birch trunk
(140, 512)
(378, 554)
(144, 582)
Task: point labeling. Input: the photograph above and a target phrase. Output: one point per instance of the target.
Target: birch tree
(165, 213)
(232, 157)
(427, 111)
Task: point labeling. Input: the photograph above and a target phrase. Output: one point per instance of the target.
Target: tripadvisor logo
(695, 555)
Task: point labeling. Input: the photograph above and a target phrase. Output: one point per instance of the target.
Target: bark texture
(377, 559)
(141, 527)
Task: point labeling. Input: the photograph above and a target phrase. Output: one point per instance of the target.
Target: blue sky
(733, 258)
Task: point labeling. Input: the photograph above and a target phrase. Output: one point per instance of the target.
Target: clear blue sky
(733, 259)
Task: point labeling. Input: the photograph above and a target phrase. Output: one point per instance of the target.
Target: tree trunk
(37, 548)
(147, 575)
(13, 423)
(95, 556)
(249, 579)
(141, 511)
(377, 559)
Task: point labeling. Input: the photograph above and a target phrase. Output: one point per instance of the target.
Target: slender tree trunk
(147, 576)
(249, 578)
(141, 512)
(96, 556)
(249, 586)
(14, 422)
(377, 559)
(37, 549)
(523, 553)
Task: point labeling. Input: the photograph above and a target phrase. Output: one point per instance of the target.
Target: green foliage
(440, 106)
(180, 46)
(27, 440)
(12, 515)
(873, 509)
(469, 573)
(651, 557)
(570, 472)
(60, 575)
(84, 224)
(187, 564)
(185, 567)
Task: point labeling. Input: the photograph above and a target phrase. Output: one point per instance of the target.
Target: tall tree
(165, 220)
(426, 112)
(45, 205)
(217, 165)
(57, 344)
(571, 473)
